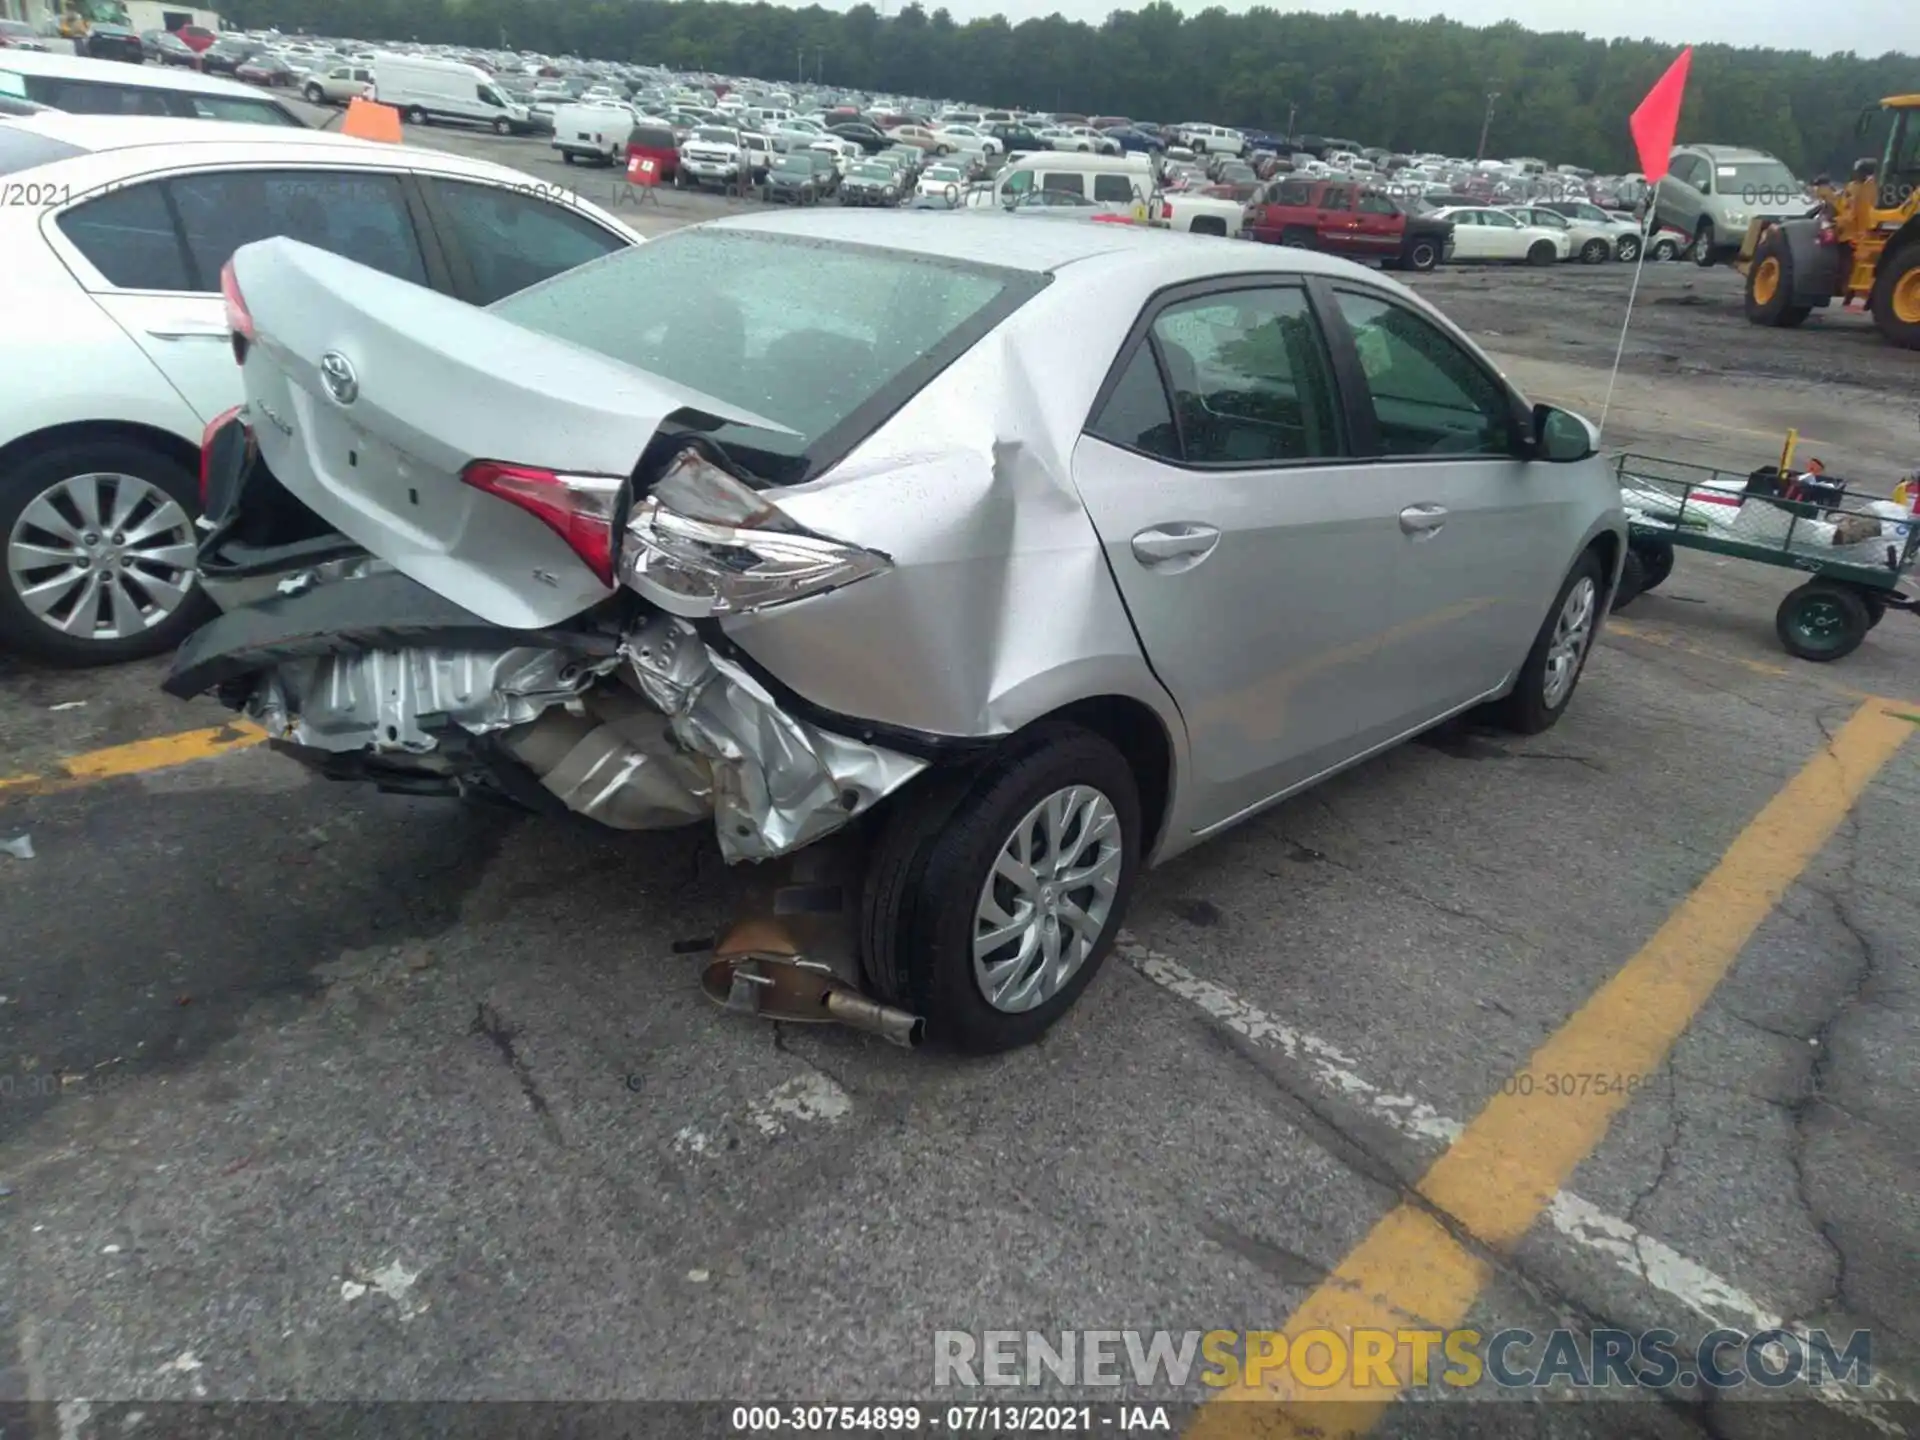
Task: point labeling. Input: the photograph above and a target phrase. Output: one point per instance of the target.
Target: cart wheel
(1876, 607)
(1822, 621)
(1633, 580)
(1656, 563)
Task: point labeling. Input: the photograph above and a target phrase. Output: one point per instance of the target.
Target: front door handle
(1420, 520)
(1165, 546)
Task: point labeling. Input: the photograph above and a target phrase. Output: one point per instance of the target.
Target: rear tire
(315, 95)
(1822, 621)
(1299, 237)
(933, 868)
(1551, 672)
(501, 127)
(1664, 247)
(1595, 252)
(1656, 561)
(1704, 254)
(416, 116)
(1629, 248)
(1769, 289)
(1543, 253)
(1423, 255)
(566, 157)
(1896, 297)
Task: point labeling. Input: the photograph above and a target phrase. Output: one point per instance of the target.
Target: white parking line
(1656, 1265)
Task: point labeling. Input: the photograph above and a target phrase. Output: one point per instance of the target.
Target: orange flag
(1657, 117)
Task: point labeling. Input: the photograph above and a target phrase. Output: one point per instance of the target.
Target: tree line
(1402, 84)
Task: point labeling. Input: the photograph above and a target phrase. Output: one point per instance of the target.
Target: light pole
(1292, 111)
(1486, 125)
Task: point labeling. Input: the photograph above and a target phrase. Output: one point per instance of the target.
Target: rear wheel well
(1136, 732)
(1607, 548)
(19, 451)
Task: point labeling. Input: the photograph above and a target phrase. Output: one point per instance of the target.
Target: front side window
(1250, 376)
(1070, 183)
(1430, 397)
(802, 333)
(128, 236)
(514, 240)
(357, 215)
(1372, 204)
(1018, 183)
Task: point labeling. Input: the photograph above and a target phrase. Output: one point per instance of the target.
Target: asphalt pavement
(312, 1093)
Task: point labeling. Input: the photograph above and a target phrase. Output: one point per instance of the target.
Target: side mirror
(1561, 437)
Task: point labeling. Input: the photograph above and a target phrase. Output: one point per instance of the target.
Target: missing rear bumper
(652, 729)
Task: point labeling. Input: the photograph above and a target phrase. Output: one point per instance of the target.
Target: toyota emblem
(336, 373)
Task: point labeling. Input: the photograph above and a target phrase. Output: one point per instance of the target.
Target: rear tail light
(578, 508)
(214, 427)
(702, 543)
(239, 318)
(1166, 210)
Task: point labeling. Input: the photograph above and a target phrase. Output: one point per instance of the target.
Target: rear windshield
(651, 139)
(23, 150)
(827, 339)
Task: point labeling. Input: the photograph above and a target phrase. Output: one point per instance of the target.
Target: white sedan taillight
(702, 543)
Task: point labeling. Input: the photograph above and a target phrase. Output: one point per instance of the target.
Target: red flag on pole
(1657, 117)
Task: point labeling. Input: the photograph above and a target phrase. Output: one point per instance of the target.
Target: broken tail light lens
(702, 543)
(579, 509)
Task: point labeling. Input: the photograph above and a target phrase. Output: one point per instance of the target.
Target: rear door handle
(1423, 519)
(189, 330)
(1165, 545)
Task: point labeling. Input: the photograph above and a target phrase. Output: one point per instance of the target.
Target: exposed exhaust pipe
(757, 970)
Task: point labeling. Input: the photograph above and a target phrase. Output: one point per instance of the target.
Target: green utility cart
(1857, 551)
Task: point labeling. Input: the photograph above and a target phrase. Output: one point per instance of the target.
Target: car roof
(118, 72)
(990, 238)
(183, 143)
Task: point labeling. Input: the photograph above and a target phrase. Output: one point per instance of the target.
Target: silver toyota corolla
(1043, 552)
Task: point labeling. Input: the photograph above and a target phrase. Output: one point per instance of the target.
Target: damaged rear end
(460, 557)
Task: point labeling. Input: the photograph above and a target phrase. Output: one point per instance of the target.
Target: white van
(1119, 181)
(424, 90)
(592, 132)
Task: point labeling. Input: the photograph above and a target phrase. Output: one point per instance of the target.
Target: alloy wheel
(102, 556)
(1572, 629)
(1048, 898)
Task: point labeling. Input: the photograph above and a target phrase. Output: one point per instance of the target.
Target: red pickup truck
(1345, 218)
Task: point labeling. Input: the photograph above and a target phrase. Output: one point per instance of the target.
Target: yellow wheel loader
(1861, 243)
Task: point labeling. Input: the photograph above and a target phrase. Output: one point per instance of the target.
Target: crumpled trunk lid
(369, 396)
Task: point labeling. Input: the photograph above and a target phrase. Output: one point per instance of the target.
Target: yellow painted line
(1505, 1168)
(161, 752)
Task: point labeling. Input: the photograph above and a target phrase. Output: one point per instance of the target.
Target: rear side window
(1116, 188)
(128, 236)
(1137, 415)
(361, 216)
(1252, 382)
(1070, 183)
(513, 241)
(1293, 192)
(238, 108)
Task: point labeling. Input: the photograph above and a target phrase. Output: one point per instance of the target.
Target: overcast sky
(1866, 26)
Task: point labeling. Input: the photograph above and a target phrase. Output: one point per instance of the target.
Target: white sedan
(1591, 244)
(1486, 233)
(113, 273)
(970, 139)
